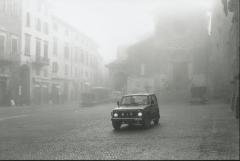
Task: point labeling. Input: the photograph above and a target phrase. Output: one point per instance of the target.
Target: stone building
(9, 61)
(224, 59)
(75, 61)
(118, 72)
(56, 62)
(9, 50)
(177, 50)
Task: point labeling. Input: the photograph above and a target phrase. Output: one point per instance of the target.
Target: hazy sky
(113, 23)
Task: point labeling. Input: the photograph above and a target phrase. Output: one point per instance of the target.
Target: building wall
(10, 17)
(224, 57)
(52, 77)
(225, 46)
(83, 62)
(9, 57)
(177, 52)
(169, 55)
(32, 13)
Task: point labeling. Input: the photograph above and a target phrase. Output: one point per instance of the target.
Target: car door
(152, 107)
(147, 109)
(155, 107)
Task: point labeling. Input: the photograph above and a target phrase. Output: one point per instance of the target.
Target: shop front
(40, 92)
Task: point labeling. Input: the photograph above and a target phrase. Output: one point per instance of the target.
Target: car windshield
(134, 100)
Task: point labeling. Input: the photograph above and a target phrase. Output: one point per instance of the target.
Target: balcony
(8, 59)
(41, 61)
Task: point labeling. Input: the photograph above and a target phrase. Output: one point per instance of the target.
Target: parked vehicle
(199, 89)
(96, 95)
(87, 99)
(101, 94)
(136, 109)
(198, 94)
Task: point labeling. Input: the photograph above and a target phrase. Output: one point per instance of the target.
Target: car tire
(156, 121)
(116, 125)
(146, 123)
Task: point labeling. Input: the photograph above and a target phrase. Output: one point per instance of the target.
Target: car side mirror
(118, 103)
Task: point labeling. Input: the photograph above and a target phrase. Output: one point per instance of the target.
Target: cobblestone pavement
(70, 132)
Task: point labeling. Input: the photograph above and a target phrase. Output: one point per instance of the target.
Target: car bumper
(128, 120)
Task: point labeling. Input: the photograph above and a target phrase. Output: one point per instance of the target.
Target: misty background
(67, 65)
(113, 23)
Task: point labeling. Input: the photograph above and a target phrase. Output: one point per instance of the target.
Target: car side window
(152, 100)
(149, 100)
(155, 99)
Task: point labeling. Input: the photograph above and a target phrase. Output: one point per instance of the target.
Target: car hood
(120, 108)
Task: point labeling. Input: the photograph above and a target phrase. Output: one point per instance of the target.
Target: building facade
(9, 50)
(172, 56)
(56, 63)
(224, 59)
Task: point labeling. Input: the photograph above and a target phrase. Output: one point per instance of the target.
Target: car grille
(128, 114)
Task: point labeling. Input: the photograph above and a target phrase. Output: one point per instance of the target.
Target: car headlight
(140, 114)
(115, 115)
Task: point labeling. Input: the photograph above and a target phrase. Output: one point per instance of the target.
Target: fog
(119, 23)
(119, 79)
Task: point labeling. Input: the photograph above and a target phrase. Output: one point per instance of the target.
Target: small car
(136, 109)
(199, 94)
(87, 99)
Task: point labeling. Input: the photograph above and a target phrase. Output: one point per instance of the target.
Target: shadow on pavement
(135, 128)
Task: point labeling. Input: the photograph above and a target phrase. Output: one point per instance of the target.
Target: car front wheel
(156, 121)
(116, 125)
(146, 123)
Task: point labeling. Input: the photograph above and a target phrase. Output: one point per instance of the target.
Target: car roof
(139, 94)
